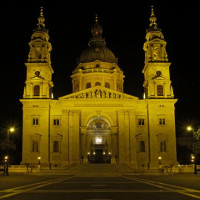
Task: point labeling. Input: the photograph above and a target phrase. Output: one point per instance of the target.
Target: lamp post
(6, 165)
(39, 158)
(193, 157)
(10, 130)
(159, 161)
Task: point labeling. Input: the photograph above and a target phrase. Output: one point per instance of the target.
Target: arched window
(107, 85)
(97, 83)
(88, 85)
(36, 90)
(159, 90)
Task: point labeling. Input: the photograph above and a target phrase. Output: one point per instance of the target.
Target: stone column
(84, 147)
(121, 136)
(65, 139)
(74, 137)
(127, 137)
(132, 138)
(114, 147)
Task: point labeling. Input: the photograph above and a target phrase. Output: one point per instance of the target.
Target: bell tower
(39, 70)
(157, 83)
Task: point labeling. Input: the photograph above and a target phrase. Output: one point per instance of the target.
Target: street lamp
(6, 165)
(193, 158)
(10, 130)
(189, 128)
(39, 158)
(159, 161)
(6, 159)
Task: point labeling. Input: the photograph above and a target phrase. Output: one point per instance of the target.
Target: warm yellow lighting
(12, 129)
(104, 153)
(94, 153)
(159, 158)
(98, 140)
(144, 96)
(39, 157)
(189, 128)
(109, 153)
(6, 157)
(88, 153)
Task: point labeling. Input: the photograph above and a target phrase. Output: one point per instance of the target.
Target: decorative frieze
(99, 92)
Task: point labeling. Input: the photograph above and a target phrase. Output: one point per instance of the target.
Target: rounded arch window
(36, 90)
(97, 83)
(107, 85)
(88, 85)
(98, 124)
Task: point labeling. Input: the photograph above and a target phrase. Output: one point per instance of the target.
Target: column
(84, 147)
(132, 139)
(121, 136)
(74, 137)
(127, 137)
(65, 140)
(114, 147)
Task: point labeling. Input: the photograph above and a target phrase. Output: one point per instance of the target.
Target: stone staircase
(106, 170)
(92, 170)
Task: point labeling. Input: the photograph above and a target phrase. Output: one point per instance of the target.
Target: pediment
(98, 92)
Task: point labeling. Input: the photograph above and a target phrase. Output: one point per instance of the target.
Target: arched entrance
(99, 137)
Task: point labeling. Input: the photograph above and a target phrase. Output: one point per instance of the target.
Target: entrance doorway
(100, 154)
(98, 157)
(98, 145)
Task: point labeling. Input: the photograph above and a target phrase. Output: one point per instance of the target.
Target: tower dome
(97, 49)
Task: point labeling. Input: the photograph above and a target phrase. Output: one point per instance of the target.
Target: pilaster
(132, 140)
(74, 137)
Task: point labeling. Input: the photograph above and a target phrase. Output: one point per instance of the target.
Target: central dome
(97, 49)
(101, 53)
(97, 65)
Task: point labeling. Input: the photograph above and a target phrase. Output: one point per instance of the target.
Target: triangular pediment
(98, 92)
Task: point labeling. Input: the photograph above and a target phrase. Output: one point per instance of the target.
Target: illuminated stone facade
(98, 122)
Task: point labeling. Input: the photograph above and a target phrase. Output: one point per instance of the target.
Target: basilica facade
(98, 122)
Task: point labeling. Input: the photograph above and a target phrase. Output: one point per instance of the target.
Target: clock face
(37, 73)
(158, 73)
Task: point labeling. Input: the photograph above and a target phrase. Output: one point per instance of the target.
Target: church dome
(100, 53)
(97, 49)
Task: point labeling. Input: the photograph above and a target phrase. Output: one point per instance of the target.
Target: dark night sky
(124, 24)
